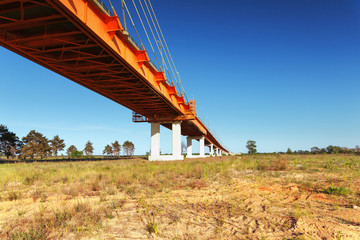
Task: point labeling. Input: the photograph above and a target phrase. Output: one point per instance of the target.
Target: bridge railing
(154, 66)
(133, 41)
(103, 7)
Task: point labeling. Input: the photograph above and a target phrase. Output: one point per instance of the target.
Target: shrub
(280, 164)
(339, 191)
(77, 154)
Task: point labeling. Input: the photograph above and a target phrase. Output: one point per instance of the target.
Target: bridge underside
(46, 32)
(38, 31)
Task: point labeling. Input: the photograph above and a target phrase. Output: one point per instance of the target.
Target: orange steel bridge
(81, 41)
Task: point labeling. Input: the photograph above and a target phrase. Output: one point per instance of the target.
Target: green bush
(77, 154)
(339, 191)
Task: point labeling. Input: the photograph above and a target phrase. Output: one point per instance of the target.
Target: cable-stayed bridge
(87, 43)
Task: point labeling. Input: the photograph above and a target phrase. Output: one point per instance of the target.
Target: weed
(280, 164)
(339, 235)
(110, 191)
(262, 165)
(298, 212)
(329, 164)
(131, 191)
(174, 216)
(108, 213)
(29, 180)
(196, 172)
(95, 186)
(151, 226)
(150, 219)
(39, 194)
(34, 233)
(60, 218)
(116, 203)
(14, 195)
(339, 191)
(71, 190)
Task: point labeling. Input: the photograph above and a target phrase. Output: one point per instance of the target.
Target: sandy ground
(241, 209)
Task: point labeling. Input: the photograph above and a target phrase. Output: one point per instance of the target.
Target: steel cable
(160, 41)
(167, 48)
(146, 32)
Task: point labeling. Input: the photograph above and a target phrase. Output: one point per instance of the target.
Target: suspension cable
(162, 45)
(112, 7)
(123, 10)
(147, 20)
(137, 33)
(157, 44)
(167, 48)
(146, 32)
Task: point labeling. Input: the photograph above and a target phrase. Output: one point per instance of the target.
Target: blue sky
(284, 73)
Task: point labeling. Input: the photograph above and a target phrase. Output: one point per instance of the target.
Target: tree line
(251, 146)
(36, 145)
(328, 150)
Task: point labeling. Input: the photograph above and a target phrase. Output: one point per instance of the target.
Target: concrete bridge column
(220, 153)
(201, 150)
(176, 141)
(155, 141)
(211, 149)
(202, 146)
(217, 152)
(189, 147)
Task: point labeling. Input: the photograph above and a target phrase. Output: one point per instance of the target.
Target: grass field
(248, 197)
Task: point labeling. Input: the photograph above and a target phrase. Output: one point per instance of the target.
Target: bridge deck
(81, 42)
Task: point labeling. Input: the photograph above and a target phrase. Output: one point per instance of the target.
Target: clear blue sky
(284, 73)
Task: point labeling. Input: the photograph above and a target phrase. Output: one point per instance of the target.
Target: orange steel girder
(78, 40)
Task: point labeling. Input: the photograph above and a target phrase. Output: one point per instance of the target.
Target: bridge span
(82, 41)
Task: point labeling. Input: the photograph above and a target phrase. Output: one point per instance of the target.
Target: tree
(108, 150)
(89, 149)
(251, 146)
(345, 150)
(116, 147)
(70, 150)
(35, 145)
(288, 151)
(315, 150)
(128, 148)
(336, 149)
(330, 149)
(56, 145)
(10, 145)
(357, 149)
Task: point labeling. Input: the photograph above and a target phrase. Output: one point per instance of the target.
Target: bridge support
(202, 147)
(176, 141)
(189, 147)
(211, 149)
(155, 143)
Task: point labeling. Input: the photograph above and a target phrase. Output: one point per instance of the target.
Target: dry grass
(248, 197)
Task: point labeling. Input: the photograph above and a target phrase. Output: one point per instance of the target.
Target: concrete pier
(155, 143)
